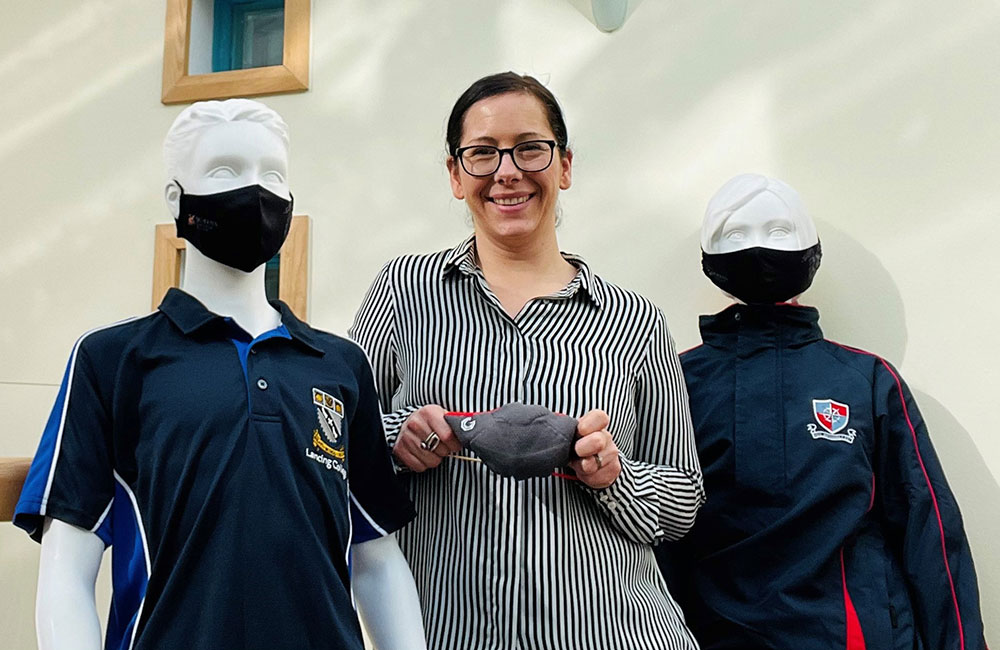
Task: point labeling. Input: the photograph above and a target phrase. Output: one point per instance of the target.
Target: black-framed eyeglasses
(528, 156)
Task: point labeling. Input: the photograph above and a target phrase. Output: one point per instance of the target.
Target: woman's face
(510, 206)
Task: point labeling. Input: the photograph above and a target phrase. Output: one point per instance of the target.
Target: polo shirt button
(261, 384)
(736, 317)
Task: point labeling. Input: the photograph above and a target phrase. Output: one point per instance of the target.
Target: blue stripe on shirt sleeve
(29, 512)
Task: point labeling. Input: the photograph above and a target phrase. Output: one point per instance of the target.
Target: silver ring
(600, 463)
(431, 442)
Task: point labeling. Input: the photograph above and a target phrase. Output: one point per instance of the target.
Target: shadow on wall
(860, 304)
(975, 489)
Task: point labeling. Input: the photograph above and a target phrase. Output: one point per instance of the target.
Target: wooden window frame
(291, 76)
(293, 275)
(13, 472)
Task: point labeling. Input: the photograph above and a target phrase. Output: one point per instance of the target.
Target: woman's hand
(598, 465)
(425, 439)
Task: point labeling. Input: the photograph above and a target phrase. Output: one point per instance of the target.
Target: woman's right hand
(418, 429)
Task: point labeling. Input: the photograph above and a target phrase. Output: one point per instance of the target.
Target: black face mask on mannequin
(241, 228)
(762, 275)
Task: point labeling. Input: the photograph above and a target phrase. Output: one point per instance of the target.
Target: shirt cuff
(619, 493)
(393, 422)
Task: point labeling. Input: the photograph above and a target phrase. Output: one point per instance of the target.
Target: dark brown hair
(500, 84)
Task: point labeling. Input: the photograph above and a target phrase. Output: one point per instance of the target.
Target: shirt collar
(462, 259)
(782, 325)
(189, 315)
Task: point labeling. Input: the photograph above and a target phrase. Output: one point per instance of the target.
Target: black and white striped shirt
(546, 563)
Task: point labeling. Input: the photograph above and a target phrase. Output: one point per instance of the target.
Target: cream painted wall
(882, 113)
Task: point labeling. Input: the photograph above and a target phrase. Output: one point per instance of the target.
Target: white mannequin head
(753, 210)
(214, 147)
(218, 146)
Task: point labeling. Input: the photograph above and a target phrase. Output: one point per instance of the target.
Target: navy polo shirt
(228, 474)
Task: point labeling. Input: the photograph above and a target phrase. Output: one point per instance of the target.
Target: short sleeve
(379, 504)
(72, 475)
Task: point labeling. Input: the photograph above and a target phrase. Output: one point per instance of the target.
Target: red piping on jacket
(871, 503)
(927, 479)
(855, 637)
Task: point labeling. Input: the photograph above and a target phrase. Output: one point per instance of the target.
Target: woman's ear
(566, 177)
(454, 175)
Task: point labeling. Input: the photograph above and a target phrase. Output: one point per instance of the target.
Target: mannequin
(829, 522)
(213, 148)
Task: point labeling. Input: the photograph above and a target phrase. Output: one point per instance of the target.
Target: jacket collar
(462, 260)
(783, 325)
(190, 316)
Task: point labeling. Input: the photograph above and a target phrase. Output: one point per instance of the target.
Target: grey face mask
(517, 440)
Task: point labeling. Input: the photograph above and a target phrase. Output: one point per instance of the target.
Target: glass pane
(263, 32)
(247, 34)
(271, 272)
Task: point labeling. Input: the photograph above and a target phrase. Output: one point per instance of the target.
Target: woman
(504, 316)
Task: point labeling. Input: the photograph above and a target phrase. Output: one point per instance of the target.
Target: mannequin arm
(386, 596)
(65, 610)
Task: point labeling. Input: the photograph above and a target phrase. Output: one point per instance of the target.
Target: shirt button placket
(262, 394)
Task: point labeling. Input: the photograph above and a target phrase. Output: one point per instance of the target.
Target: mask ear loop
(469, 459)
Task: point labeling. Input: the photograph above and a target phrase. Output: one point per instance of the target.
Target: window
(247, 34)
(214, 49)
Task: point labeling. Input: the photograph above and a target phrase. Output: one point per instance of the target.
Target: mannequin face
(764, 221)
(230, 155)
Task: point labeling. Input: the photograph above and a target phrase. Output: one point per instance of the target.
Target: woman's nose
(507, 171)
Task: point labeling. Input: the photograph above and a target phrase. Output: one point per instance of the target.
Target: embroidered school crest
(330, 413)
(832, 417)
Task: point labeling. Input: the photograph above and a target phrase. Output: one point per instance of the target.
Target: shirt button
(736, 317)
(261, 384)
(252, 351)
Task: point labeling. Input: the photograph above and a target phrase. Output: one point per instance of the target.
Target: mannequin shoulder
(113, 340)
(867, 364)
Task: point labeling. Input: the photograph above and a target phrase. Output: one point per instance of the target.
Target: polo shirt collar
(189, 315)
(462, 259)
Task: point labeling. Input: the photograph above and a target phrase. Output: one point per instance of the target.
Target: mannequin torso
(224, 156)
(820, 474)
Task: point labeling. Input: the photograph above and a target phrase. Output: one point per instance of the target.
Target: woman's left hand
(598, 465)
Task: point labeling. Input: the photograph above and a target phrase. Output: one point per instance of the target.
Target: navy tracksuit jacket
(829, 522)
